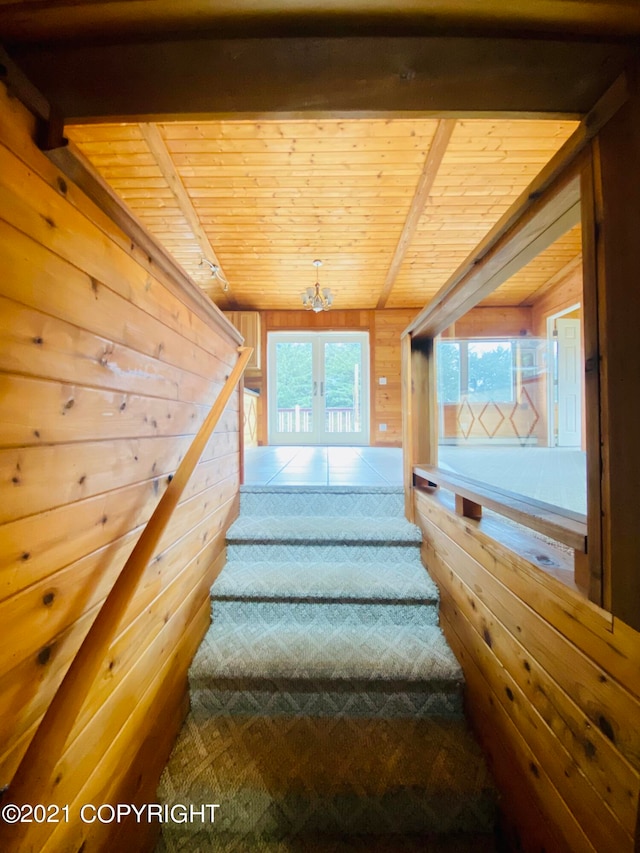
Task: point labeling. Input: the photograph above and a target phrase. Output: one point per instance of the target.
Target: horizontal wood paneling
(120, 723)
(560, 677)
(487, 322)
(105, 375)
(58, 213)
(37, 344)
(83, 470)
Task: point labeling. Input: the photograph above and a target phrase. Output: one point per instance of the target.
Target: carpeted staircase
(326, 706)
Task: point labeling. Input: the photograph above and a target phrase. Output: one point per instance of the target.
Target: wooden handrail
(33, 781)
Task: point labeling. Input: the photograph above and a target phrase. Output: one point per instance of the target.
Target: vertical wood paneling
(105, 375)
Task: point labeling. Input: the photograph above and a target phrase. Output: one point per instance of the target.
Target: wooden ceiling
(262, 134)
(391, 206)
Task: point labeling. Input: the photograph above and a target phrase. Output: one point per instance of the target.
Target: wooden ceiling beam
(162, 155)
(447, 77)
(548, 207)
(432, 163)
(541, 224)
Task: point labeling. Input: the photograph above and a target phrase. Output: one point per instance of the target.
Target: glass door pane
(341, 388)
(292, 388)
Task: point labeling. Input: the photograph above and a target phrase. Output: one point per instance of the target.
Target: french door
(318, 387)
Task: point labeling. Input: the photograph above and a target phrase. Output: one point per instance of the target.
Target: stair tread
(286, 776)
(325, 580)
(355, 652)
(323, 529)
(322, 490)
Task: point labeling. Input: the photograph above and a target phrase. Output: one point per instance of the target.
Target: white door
(318, 387)
(569, 383)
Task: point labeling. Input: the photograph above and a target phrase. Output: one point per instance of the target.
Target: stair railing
(38, 773)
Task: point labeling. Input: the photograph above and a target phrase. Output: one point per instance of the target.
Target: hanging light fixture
(313, 298)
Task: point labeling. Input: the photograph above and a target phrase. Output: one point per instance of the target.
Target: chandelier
(315, 299)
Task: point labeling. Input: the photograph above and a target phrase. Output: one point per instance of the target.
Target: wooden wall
(562, 296)
(384, 327)
(482, 322)
(552, 684)
(105, 373)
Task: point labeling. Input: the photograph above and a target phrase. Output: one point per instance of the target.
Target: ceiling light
(215, 273)
(315, 299)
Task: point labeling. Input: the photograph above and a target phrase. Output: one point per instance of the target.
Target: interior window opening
(510, 384)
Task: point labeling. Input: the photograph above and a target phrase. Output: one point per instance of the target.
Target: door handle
(322, 389)
(315, 389)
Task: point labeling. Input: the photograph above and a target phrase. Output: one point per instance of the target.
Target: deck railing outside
(299, 419)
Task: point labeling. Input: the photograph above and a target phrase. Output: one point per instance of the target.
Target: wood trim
(20, 87)
(617, 248)
(594, 429)
(541, 224)
(34, 776)
(158, 147)
(77, 168)
(241, 417)
(550, 203)
(407, 426)
(419, 436)
(373, 415)
(432, 163)
(565, 526)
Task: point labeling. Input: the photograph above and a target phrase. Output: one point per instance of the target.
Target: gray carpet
(326, 705)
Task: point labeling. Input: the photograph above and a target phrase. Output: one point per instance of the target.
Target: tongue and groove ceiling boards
(391, 206)
(385, 139)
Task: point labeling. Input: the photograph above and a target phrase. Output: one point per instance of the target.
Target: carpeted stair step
(308, 530)
(320, 613)
(325, 539)
(362, 581)
(327, 670)
(326, 593)
(287, 777)
(185, 839)
(316, 501)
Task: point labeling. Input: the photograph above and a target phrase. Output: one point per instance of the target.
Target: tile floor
(554, 475)
(323, 466)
